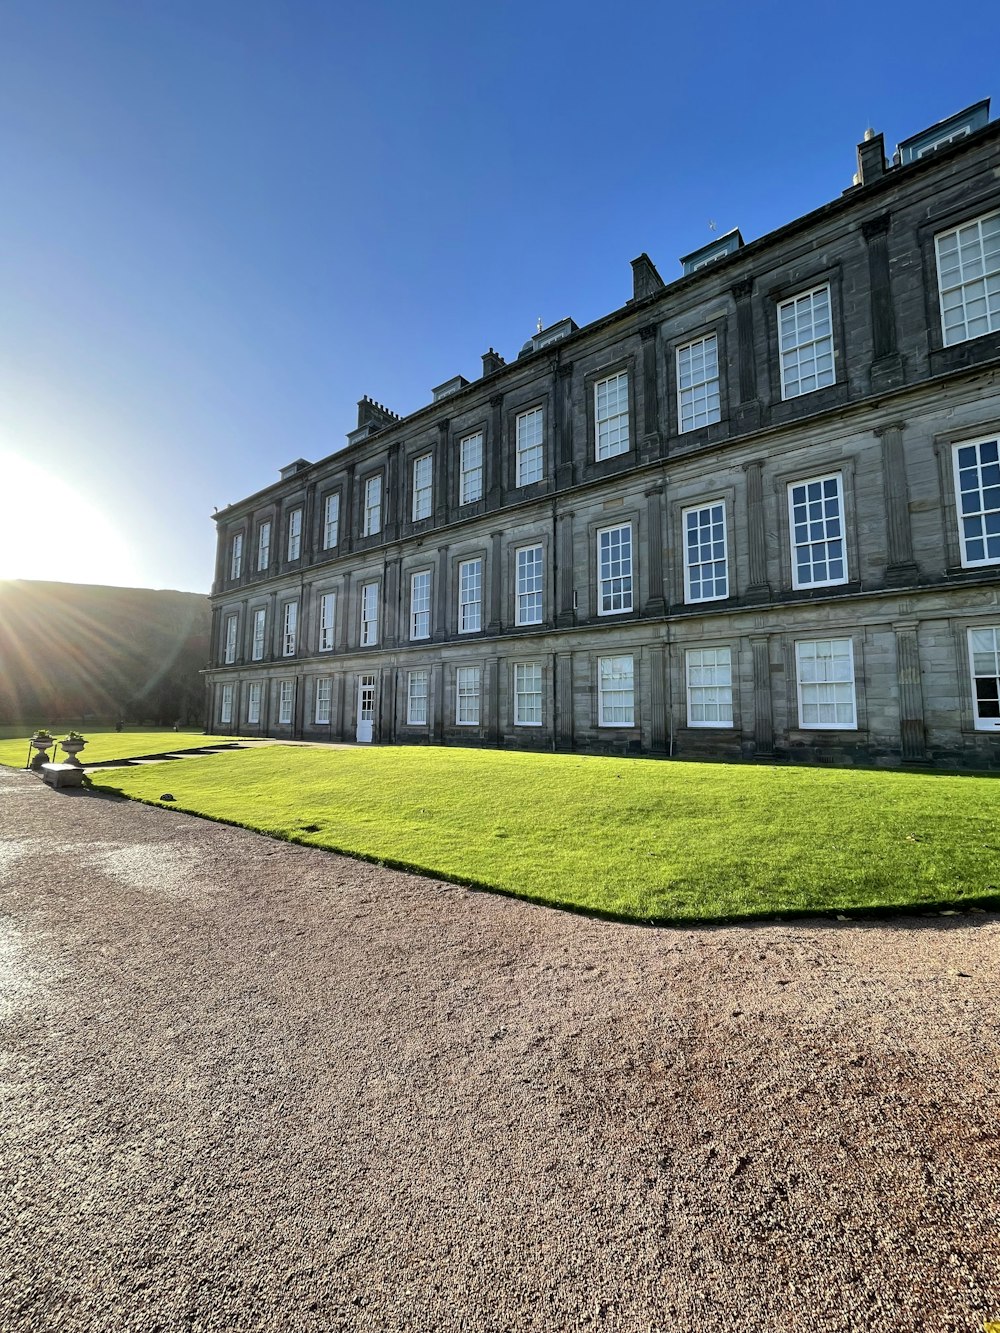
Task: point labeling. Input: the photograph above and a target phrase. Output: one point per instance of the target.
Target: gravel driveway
(246, 1085)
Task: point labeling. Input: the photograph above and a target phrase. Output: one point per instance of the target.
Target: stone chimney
(871, 158)
(374, 415)
(645, 279)
(492, 361)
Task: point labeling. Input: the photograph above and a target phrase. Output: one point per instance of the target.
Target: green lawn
(106, 743)
(635, 838)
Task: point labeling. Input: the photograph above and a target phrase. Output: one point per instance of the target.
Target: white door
(366, 709)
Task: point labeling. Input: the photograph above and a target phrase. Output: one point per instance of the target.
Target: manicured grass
(634, 838)
(106, 743)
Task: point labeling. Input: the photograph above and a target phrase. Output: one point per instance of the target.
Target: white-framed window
(529, 571)
(331, 520)
(467, 696)
(324, 693)
(984, 665)
(294, 534)
(698, 397)
(286, 701)
(529, 428)
(805, 338)
(615, 692)
(369, 614)
(420, 604)
(232, 631)
(373, 507)
(527, 694)
(968, 265)
(611, 415)
(470, 596)
(259, 626)
(236, 556)
(470, 453)
(709, 687)
(706, 564)
(423, 487)
(327, 621)
(816, 528)
(289, 625)
(417, 689)
(226, 705)
(977, 495)
(824, 672)
(614, 570)
(253, 702)
(264, 545)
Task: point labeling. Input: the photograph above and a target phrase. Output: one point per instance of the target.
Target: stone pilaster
(348, 519)
(437, 703)
(442, 457)
(655, 604)
(652, 439)
(390, 603)
(887, 364)
(747, 415)
(442, 596)
(563, 668)
(491, 700)
(912, 734)
(496, 617)
(563, 536)
(658, 700)
(494, 455)
(758, 588)
(345, 613)
(563, 399)
(763, 716)
(901, 568)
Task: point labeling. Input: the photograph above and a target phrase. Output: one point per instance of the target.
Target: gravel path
(245, 1085)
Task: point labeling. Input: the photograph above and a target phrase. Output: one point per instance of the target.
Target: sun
(50, 530)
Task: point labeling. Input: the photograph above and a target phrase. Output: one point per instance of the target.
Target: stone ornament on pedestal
(72, 746)
(41, 742)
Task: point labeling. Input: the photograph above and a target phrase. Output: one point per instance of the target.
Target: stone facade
(884, 588)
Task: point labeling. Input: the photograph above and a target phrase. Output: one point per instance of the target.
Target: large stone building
(755, 511)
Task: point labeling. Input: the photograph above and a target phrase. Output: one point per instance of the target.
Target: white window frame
(529, 431)
(369, 615)
(289, 628)
(611, 699)
(327, 621)
(986, 488)
(286, 702)
(819, 526)
(981, 651)
(470, 608)
(828, 682)
(417, 699)
(470, 468)
(613, 425)
(713, 690)
(420, 605)
(716, 511)
(423, 487)
(980, 287)
(226, 705)
(324, 699)
(331, 521)
(699, 387)
(612, 586)
(253, 703)
(529, 585)
(236, 556)
(468, 696)
(294, 533)
(259, 639)
(807, 346)
(232, 637)
(528, 713)
(373, 506)
(263, 546)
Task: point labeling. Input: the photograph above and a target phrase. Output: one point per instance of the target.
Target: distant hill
(74, 650)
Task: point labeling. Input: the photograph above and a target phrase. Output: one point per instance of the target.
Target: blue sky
(223, 223)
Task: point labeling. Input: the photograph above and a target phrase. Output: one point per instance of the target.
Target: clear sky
(224, 221)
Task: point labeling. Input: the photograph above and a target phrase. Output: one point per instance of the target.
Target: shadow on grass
(981, 904)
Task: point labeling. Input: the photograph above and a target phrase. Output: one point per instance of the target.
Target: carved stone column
(564, 613)
(563, 667)
(563, 398)
(658, 699)
(763, 715)
(887, 364)
(912, 733)
(758, 590)
(494, 455)
(441, 596)
(748, 415)
(655, 604)
(652, 439)
(901, 568)
(495, 623)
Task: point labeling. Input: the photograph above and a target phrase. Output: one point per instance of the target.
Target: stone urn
(72, 746)
(41, 744)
